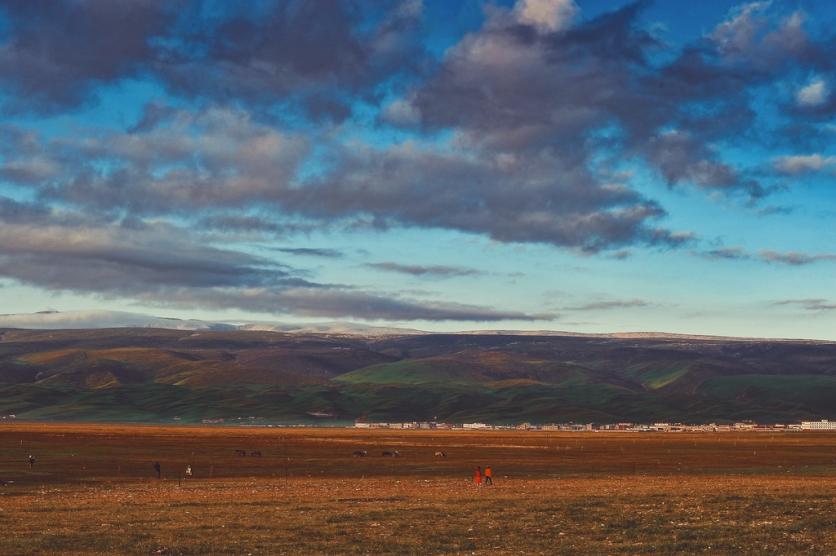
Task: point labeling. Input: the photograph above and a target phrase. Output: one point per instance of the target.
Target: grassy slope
(147, 375)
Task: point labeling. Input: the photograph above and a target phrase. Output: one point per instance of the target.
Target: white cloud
(737, 32)
(813, 94)
(546, 15)
(801, 164)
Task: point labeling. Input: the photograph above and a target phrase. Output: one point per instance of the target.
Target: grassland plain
(93, 490)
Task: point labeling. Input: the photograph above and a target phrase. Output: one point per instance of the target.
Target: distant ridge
(636, 335)
(99, 319)
(77, 320)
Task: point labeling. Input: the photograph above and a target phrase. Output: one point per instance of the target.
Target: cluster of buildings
(750, 426)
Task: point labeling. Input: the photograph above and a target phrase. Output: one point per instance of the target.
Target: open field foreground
(93, 489)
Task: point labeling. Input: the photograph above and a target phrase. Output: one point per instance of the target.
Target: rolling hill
(154, 374)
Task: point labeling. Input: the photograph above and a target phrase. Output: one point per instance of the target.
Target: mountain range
(335, 374)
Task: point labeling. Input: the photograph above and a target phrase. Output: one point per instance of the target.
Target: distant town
(741, 426)
(822, 425)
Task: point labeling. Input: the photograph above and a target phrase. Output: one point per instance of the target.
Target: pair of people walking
(483, 477)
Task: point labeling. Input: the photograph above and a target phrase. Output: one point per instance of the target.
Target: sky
(587, 166)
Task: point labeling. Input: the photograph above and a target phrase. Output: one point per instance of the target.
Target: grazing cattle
(441, 454)
(360, 453)
(256, 454)
(392, 454)
(241, 453)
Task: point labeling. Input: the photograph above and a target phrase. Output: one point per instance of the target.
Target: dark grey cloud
(813, 304)
(791, 258)
(241, 223)
(609, 305)
(600, 75)
(214, 159)
(58, 51)
(728, 253)
(117, 258)
(262, 53)
(535, 162)
(25, 160)
(515, 198)
(336, 303)
(160, 264)
(210, 159)
(795, 258)
(435, 271)
(772, 210)
(310, 252)
(621, 255)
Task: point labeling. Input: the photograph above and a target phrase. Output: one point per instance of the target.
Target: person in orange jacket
(488, 475)
(477, 476)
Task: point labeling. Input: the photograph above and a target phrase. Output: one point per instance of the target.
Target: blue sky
(539, 164)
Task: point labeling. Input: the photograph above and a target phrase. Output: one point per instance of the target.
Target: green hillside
(148, 375)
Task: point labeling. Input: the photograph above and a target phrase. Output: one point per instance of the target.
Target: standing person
(488, 475)
(157, 469)
(188, 471)
(31, 460)
(477, 476)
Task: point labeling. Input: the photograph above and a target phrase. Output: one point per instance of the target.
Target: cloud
(519, 132)
(335, 303)
(517, 164)
(791, 258)
(802, 164)
(310, 252)
(243, 223)
(23, 159)
(321, 58)
(739, 31)
(682, 157)
(437, 271)
(428, 187)
(402, 113)
(546, 15)
(728, 253)
(125, 259)
(794, 258)
(813, 94)
(59, 51)
(164, 265)
(621, 255)
(609, 305)
(210, 159)
(816, 304)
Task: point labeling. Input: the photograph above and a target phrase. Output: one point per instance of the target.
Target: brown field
(93, 490)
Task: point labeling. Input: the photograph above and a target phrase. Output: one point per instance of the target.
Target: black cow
(256, 454)
(360, 453)
(241, 453)
(392, 454)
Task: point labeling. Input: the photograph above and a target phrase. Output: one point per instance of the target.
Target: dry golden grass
(92, 491)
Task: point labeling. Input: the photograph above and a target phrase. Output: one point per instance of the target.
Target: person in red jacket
(477, 476)
(488, 476)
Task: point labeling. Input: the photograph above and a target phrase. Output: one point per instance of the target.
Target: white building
(823, 425)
